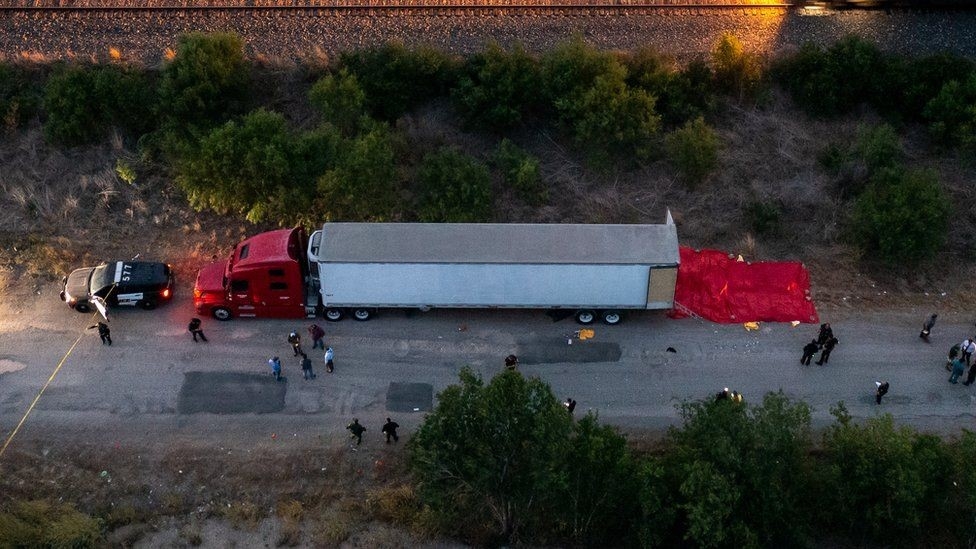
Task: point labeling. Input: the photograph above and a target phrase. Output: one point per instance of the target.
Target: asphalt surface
(154, 385)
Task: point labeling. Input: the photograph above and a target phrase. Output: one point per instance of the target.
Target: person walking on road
(882, 390)
(828, 346)
(317, 334)
(389, 429)
(296, 342)
(357, 431)
(307, 367)
(958, 367)
(103, 332)
(967, 348)
(809, 350)
(329, 365)
(953, 354)
(826, 332)
(927, 327)
(194, 329)
(275, 365)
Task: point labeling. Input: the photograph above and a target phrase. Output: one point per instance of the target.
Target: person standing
(927, 327)
(329, 365)
(307, 367)
(971, 376)
(357, 431)
(317, 334)
(275, 365)
(967, 348)
(826, 332)
(882, 390)
(103, 332)
(828, 346)
(296, 342)
(511, 362)
(809, 350)
(389, 429)
(570, 405)
(194, 329)
(958, 367)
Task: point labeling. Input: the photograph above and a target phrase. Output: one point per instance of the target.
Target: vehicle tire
(362, 315)
(333, 314)
(221, 313)
(148, 304)
(82, 308)
(585, 317)
(611, 317)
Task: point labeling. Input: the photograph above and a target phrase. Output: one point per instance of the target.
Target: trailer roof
(498, 243)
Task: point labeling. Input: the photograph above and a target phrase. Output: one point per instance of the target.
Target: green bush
(879, 147)
(736, 72)
(693, 150)
(206, 83)
(19, 96)
(397, 79)
(902, 216)
(247, 167)
(453, 187)
(363, 185)
(340, 99)
(682, 95)
(952, 114)
(923, 78)
(84, 102)
(832, 158)
(589, 93)
(521, 171)
(45, 524)
(762, 217)
(497, 87)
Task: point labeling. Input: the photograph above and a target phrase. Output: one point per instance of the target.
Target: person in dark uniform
(296, 342)
(826, 332)
(194, 328)
(809, 350)
(357, 431)
(389, 429)
(927, 328)
(971, 376)
(882, 390)
(827, 348)
(103, 332)
(307, 367)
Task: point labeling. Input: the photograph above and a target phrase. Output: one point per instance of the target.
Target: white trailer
(595, 270)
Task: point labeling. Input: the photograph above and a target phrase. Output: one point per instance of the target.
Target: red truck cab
(265, 277)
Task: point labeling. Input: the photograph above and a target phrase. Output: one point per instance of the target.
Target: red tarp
(721, 289)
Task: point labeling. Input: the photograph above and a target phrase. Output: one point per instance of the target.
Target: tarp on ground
(721, 289)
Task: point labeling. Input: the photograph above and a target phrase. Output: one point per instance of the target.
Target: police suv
(143, 284)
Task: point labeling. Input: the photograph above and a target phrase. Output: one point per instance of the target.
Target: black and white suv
(143, 284)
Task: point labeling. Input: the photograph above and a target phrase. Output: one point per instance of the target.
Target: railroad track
(398, 9)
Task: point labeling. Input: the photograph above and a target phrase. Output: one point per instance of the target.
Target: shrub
(923, 78)
(879, 147)
(497, 87)
(832, 158)
(952, 113)
(453, 187)
(521, 171)
(19, 96)
(362, 186)
(206, 83)
(83, 103)
(762, 217)
(340, 99)
(246, 167)
(736, 72)
(43, 524)
(693, 150)
(902, 217)
(397, 79)
(682, 95)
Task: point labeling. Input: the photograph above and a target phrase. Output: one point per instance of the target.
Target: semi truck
(356, 269)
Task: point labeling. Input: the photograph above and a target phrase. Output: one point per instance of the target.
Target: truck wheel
(585, 317)
(148, 304)
(333, 315)
(221, 313)
(82, 308)
(362, 315)
(611, 317)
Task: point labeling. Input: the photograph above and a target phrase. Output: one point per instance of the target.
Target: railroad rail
(396, 8)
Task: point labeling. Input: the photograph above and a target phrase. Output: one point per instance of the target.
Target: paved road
(154, 385)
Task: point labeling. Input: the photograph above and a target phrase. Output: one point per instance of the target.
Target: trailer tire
(221, 313)
(333, 314)
(611, 317)
(362, 315)
(585, 317)
(82, 307)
